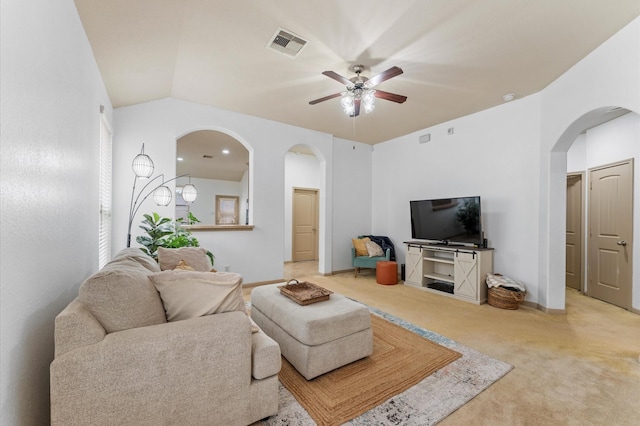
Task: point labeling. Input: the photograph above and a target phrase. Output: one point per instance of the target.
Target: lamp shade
(142, 166)
(189, 193)
(369, 97)
(162, 196)
(347, 103)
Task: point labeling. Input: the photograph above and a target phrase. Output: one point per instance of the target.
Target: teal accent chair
(366, 261)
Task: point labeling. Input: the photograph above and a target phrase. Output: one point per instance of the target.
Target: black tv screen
(447, 220)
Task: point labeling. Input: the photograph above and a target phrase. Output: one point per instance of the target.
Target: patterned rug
(425, 403)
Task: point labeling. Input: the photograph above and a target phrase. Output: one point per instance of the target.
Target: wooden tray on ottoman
(304, 293)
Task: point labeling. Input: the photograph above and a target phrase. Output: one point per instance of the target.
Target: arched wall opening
(305, 171)
(220, 137)
(556, 297)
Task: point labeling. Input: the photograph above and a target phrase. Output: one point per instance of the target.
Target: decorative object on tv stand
(143, 169)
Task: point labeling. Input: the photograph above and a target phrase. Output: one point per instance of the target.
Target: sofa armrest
(161, 374)
(76, 327)
(265, 356)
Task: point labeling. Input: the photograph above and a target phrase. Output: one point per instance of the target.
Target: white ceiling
(458, 56)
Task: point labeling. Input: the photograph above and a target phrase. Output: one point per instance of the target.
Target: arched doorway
(302, 194)
(617, 124)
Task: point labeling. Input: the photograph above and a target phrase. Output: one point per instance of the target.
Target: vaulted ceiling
(458, 56)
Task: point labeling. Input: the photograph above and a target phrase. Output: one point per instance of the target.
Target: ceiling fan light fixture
(369, 108)
(369, 97)
(347, 101)
(360, 92)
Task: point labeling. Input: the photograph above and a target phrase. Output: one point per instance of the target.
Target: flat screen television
(447, 220)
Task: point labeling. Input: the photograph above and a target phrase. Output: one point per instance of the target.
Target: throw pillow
(183, 266)
(187, 294)
(360, 244)
(374, 249)
(196, 257)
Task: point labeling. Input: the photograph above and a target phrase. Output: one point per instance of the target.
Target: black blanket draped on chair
(385, 243)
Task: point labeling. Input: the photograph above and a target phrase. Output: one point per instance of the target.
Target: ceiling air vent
(287, 43)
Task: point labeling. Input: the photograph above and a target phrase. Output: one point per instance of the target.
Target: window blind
(104, 231)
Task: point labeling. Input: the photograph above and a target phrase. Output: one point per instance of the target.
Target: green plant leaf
(168, 233)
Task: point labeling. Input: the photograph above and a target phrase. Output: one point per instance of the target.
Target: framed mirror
(219, 169)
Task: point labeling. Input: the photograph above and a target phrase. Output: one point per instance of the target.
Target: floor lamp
(143, 169)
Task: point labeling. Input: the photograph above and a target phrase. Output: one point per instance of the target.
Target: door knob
(621, 243)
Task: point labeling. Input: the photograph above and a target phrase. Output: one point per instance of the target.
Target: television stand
(454, 271)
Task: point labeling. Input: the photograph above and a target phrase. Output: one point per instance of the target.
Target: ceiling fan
(360, 90)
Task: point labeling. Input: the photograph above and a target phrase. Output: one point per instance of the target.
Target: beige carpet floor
(581, 368)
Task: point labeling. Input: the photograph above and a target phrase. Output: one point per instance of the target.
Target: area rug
(425, 403)
(400, 359)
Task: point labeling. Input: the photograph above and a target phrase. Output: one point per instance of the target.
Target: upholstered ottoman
(387, 272)
(315, 338)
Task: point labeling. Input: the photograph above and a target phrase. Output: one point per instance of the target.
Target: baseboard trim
(259, 283)
(341, 271)
(634, 310)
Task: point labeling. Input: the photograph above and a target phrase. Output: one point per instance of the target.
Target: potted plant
(167, 233)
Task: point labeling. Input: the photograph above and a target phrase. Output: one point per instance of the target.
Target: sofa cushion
(196, 257)
(121, 296)
(187, 294)
(360, 244)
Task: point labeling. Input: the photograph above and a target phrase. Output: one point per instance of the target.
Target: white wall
(492, 154)
(204, 207)
(300, 171)
(607, 77)
(49, 119)
(352, 189)
(258, 254)
(577, 155)
(613, 141)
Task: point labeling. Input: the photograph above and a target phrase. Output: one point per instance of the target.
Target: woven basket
(505, 299)
(304, 293)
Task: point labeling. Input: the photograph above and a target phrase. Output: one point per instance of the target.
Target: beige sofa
(118, 360)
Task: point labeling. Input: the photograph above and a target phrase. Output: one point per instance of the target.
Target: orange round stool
(387, 272)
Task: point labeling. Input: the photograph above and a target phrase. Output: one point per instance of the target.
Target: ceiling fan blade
(390, 96)
(356, 108)
(383, 76)
(338, 77)
(326, 98)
